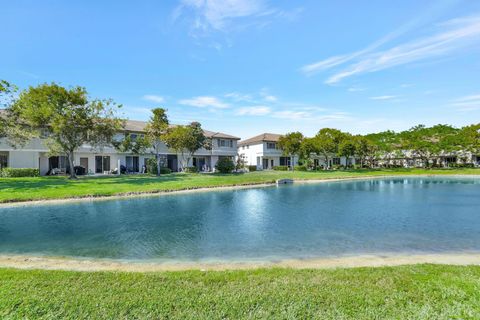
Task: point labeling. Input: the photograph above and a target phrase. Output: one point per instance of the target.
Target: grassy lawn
(405, 292)
(23, 189)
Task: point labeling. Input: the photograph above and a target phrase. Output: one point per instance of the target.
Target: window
(450, 159)
(3, 160)
(44, 133)
(133, 136)
(336, 161)
(102, 164)
(271, 145)
(285, 161)
(225, 143)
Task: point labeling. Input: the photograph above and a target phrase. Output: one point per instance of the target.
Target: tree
(7, 91)
(186, 140)
(386, 143)
(327, 142)
(291, 145)
(69, 116)
(347, 148)
(156, 131)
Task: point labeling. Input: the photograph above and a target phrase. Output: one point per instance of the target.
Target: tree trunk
(72, 169)
(158, 165)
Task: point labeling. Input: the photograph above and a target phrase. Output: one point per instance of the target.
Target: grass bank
(403, 292)
(45, 188)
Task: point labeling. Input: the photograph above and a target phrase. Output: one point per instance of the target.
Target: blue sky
(253, 66)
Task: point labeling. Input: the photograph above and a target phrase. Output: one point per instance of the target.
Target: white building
(262, 151)
(98, 161)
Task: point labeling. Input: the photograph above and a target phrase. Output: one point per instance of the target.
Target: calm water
(420, 215)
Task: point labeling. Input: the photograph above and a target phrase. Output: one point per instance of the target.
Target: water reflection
(299, 221)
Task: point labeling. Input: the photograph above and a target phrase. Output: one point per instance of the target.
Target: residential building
(263, 151)
(103, 160)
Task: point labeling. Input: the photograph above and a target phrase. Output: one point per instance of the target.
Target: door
(132, 164)
(265, 164)
(271, 163)
(102, 164)
(84, 163)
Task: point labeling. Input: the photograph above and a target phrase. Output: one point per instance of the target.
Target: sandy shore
(220, 188)
(47, 263)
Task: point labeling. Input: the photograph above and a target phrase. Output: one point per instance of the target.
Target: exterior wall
(35, 154)
(254, 155)
(23, 159)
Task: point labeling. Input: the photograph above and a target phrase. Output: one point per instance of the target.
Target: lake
(300, 221)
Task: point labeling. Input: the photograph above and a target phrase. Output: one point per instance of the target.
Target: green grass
(24, 189)
(404, 292)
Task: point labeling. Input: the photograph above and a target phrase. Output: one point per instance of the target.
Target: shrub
(152, 167)
(280, 168)
(190, 169)
(301, 168)
(225, 165)
(252, 168)
(19, 172)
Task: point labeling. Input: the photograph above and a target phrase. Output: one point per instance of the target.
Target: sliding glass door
(102, 164)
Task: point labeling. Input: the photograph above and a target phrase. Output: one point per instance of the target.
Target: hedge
(152, 167)
(252, 168)
(19, 172)
(280, 168)
(225, 165)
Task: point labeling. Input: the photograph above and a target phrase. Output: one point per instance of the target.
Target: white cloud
(356, 89)
(270, 98)
(385, 97)
(205, 101)
(459, 33)
(236, 96)
(217, 14)
(467, 103)
(153, 98)
(452, 36)
(253, 111)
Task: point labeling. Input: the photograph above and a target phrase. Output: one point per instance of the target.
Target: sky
(245, 67)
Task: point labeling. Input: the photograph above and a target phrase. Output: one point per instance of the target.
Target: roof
(139, 126)
(264, 137)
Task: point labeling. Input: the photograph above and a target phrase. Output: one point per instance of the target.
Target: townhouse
(103, 160)
(263, 152)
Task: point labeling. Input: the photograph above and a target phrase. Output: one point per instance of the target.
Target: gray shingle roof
(139, 126)
(270, 137)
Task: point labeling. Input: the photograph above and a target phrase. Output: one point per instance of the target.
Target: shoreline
(253, 185)
(26, 262)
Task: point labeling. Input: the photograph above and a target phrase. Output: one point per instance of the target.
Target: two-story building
(35, 154)
(263, 151)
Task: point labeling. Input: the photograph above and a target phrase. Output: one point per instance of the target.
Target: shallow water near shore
(420, 215)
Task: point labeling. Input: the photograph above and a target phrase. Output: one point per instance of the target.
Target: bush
(152, 167)
(301, 168)
(225, 165)
(252, 168)
(79, 170)
(280, 168)
(19, 172)
(190, 169)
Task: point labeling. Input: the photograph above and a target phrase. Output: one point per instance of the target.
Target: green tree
(386, 144)
(186, 140)
(347, 148)
(327, 143)
(291, 145)
(7, 92)
(69, 116)
(156, 132)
